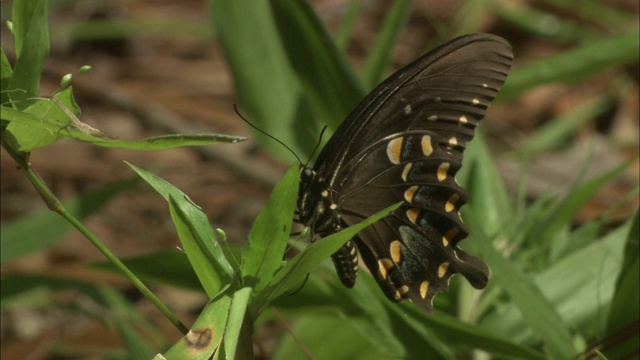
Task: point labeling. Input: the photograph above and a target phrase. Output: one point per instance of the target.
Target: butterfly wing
(404, 142)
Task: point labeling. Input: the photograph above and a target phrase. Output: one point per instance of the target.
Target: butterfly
(404, 142)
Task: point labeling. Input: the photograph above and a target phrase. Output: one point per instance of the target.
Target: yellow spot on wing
(427, 147)
(406, 170)
(463, 119)
(395, 251)
(451, 202)
(408, 195)
(442, 171)
(393, 150)
(449, 235)
(407, 109)
(383, 267)
(424, 288)
(452, 143)
(403, 289)
(412, 214)
(442, 269)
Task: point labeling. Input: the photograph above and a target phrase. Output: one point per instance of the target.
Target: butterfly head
(316, 206)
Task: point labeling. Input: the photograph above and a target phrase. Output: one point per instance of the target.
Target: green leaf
(41, 123)
(270, 232)
(268, 92)
(561, 214)
(555, 132)
(31, 38)
(329, 82)
(486, 190)
(196, 235)
(315, 331)
(415, 329)
(206, 334)
(538, 312)
(545, 24)
(570, 285)
(379, 57)
(6, 72)
(234, 336)
(574, 65)
(295, 271)
(46, 121)
(624, 311)
(123, 317)
(166, 267)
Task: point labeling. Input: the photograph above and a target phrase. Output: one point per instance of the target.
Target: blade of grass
(196, 235)
(48, 125)
(567, 209)
(123, 316)
(539, 313)
(380, 55)
(580, 286)
(206, 334)
(348, 22)
(574, 65)
(31, 37)
(554, 133)
(328, 80)
(6, 72)
(268, 92)
(624, 306)
(269, 234)
(295, 271)
(486, 190)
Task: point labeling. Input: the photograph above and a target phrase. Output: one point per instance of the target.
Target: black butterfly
(404, 142)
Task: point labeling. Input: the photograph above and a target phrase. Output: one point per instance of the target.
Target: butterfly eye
(306, 175)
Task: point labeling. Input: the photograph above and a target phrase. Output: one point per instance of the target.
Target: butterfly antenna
(317, 145)
(235, 107)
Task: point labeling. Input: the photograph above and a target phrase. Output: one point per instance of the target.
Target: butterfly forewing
(404, 142)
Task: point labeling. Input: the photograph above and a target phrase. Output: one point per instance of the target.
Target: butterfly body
(404, 143)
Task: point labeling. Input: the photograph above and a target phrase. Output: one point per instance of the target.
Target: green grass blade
(562, 214)
(454, 332)
(123, 317)
(348, 22)
(624, 306)
(166, 267)
(315, 331)
(574, 65)
(555, 132)
(328, 80)
(295, 271)
(6, 72)
(31, 37)
(379, 57)
(543, 24)
(571, 286)
(539, 313)
(44, 123)
(196, 235)
(484, 186)
(206, 334)
(268, 92)
(268, 237)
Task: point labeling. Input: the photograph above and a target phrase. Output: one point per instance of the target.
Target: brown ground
(184, 76)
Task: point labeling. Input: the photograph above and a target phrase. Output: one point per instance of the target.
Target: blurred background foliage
(552, 178)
